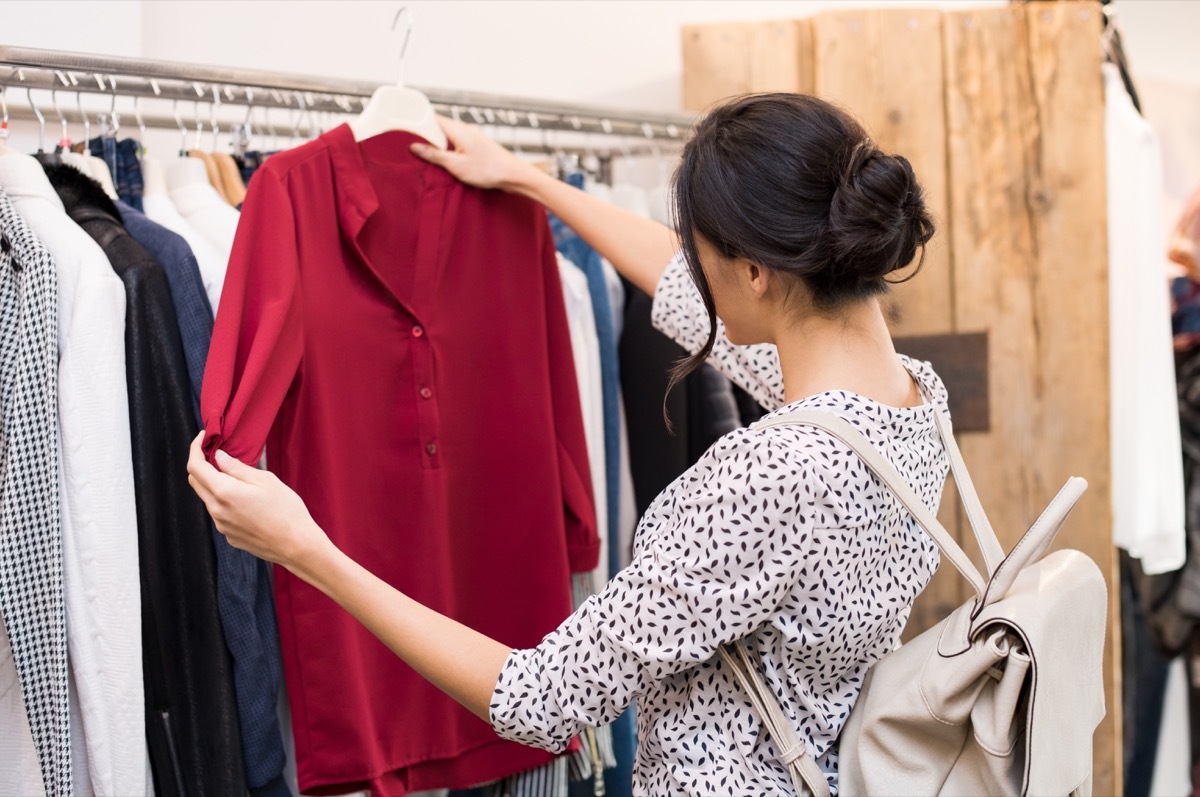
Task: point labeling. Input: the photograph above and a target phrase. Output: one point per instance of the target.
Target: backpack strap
(807, 777)
(843, 430)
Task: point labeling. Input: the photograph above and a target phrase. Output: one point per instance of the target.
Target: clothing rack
(306, 96)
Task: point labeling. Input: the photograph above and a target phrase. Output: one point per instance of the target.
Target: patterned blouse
(781, 536)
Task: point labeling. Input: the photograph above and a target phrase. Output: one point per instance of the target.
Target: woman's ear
(757, 277)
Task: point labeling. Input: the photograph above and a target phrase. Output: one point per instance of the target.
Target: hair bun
(877, 217)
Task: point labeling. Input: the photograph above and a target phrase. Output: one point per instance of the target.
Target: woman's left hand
(255, 510)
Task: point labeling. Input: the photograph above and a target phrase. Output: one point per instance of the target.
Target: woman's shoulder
(927, 378)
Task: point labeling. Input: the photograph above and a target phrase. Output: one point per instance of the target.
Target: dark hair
(795, 184)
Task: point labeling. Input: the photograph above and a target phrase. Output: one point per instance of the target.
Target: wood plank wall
(1001, 112)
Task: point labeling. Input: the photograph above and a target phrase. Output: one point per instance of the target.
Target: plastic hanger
(399, 107)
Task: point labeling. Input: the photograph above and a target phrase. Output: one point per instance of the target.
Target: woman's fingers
(235, 468)
(213, 487)
(205, 494)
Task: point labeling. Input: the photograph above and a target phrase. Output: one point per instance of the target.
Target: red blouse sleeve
(583, 544)
(257, 342)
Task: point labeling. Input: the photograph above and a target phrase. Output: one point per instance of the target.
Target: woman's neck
(851, 352)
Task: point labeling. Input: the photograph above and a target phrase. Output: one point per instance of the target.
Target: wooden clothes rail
(30, 69)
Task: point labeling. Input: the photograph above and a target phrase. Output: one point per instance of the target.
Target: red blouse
(399, 343)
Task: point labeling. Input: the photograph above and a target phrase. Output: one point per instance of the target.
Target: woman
(790, 222)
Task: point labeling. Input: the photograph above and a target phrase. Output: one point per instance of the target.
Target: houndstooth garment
(31, 568)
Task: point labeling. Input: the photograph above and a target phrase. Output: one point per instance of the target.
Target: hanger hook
(41, 120)
(62, 118)
(408, 29)
(212, 116)
(113, 117)
(83, 117)
(3, 114)
(137, 115)
(199, 123)
(182, 127)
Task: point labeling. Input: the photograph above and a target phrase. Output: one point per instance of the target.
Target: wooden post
(1001, 111)
(1025, 123)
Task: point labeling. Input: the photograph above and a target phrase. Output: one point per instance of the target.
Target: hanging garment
(121, 158)
(31, 559)
(99, 521)
(191, 711)
(589, 261)
(1148, 501)
(398, 341)
(203, 208)
(232, 184)
(243, 583)
(586, 766)
(248, 163)
(585, 351)
(698, 407)
(161, 210)
(592, 265)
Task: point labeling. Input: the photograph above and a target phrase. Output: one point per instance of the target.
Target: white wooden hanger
(399, 107)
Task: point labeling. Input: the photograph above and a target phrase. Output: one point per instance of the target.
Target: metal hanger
(4, 131)
(243, 132)
(83, 117)
(64, 141)
(212, 117)
(408, 29)
(41, 122)
(183, 131)
(110, 123)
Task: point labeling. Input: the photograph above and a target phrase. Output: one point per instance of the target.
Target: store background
(624, 53)
(605, 52)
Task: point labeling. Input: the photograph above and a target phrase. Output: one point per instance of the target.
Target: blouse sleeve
(716, 570)
(679, 313)
(256, 344)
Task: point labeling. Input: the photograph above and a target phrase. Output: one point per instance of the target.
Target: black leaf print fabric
(780, 536)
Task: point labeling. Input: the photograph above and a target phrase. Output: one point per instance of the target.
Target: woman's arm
(257, 513)
(639, 248)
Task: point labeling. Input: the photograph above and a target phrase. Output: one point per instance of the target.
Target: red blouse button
(431, 448)
(418, 331)
(426, 393)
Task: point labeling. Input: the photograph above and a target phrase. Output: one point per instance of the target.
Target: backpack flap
(1054, 614)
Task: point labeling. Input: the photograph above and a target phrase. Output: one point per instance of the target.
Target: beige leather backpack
(1000, 698)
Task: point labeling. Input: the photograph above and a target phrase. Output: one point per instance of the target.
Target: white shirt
(1147, 466)
(160, 209)
(208, 214)
(781, 536)
(585, 349)
(99, 521)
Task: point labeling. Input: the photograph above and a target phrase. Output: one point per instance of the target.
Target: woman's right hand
(476, 159)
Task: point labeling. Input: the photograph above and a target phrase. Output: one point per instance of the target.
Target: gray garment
(31, 563)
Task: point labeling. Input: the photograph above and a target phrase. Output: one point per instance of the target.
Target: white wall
(615, 52)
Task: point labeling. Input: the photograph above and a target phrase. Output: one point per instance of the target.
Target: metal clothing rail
(61, 71)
